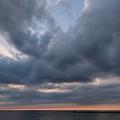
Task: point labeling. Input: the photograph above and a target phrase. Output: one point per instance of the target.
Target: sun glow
(97, 81)
(53, 90)
(16, 86)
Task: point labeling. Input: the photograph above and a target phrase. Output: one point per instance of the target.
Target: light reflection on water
(56, 115)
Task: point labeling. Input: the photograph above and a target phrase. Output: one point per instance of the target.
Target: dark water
(56, 115)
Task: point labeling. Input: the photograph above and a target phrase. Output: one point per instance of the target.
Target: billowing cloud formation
(97, 35)
(88, 50)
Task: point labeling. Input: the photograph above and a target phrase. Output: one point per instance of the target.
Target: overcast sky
(59, 54)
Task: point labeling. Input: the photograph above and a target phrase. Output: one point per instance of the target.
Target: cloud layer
(88, 50)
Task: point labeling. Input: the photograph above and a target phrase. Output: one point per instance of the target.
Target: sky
(60, 54)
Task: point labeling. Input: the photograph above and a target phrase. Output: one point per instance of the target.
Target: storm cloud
(88, 50)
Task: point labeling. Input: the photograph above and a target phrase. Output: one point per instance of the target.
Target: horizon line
(60, 109)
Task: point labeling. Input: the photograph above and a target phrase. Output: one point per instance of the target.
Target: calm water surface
(56, 115)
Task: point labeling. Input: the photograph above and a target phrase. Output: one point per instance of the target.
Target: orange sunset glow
(65, 107)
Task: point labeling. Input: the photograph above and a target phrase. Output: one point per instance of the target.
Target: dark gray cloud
(14, 72)
(17, 17)
(97, 35)
(88, 50)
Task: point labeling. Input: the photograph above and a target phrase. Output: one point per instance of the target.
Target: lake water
(56, 115)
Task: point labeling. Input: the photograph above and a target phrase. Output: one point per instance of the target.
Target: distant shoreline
(96, 111)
